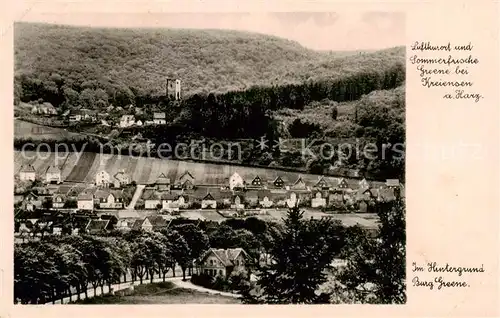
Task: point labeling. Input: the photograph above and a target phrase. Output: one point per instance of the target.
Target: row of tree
(301, 252)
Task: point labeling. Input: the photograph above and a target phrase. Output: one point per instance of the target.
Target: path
(188, 285)
(137, 196)
(115, 288)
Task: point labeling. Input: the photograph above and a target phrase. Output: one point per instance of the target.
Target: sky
(337, 31)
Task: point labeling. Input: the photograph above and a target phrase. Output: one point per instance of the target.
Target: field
(23, 129)
(82, 168)
(162, 293)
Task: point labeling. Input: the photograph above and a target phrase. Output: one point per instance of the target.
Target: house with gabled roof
(364, 184)
(27, 173)
(278, 182)
(162, 183)
(109, 199)
(208, 202)
(186, 180)
(53, 174)
(32, 201)
(342, 184)
(102, 179)
(58, 200)
(257, 182)
(152, 199)
(299, 184)
(96, 226)
(236, 181)
(319, 199)
(322, 184)
(238, 202)
(223, 262)
(121, 179)
(85, 201)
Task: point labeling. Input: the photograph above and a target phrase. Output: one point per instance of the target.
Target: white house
(208, 202)
(53, 175)
(138, 123)
(121, 179)
(235, 181)
(85, 201)
(127, 121)
(102, 179)
(318, 200)
(109, 200)
(159, 118)
(27, 173)
(363, 184)
(292, 201)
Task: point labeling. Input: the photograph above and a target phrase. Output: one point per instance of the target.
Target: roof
(151, 194)
(169, 196)
(85, 196)
(228, 256)
(28, 168)
(159, 115)
(97, 225)
(186, 173)
(392, 182)
(138, 224)
(121, 176)
(157, 221)
(162, 179)
(53, 169)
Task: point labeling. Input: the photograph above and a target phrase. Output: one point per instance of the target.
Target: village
(118, 202)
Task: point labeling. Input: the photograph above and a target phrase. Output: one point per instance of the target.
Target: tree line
(298, 267)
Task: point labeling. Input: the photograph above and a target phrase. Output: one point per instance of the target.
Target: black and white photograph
(210, 158)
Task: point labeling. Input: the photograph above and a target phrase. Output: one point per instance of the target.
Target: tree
(182, 253)
(299, 259)
(195, 238)
(375, 271)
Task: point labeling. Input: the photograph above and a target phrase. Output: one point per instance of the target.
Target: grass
(146, 170)
(161, 293)
(23, 129)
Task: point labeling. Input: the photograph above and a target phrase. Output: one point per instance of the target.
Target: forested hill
(119, 64)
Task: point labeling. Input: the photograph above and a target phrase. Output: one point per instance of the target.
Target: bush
(238, 281)
(202, 280)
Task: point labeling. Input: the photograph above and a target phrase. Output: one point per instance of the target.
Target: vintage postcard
(179, 154)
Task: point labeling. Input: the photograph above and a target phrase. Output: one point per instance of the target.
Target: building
(74, 118)
(220, 262)
(102, 179)
(299, 184)
(319, 200)
(58, 200)
(235, 181)
(127, 121)
(32, 202)
(121, 179)
(177, 89)
(392, 183)
(95, 226)
(109, 199)
(208, 202)
(162, 183)
(53, 175)
(150, 223)
(186, 181)
(152, 200)
(278, 182)
(85, 201)
(342, 184)
(138, 123)
(27, 173)
(238, 202)
(364, 184)
(159, 119)
(257, 182)
(322, 184)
